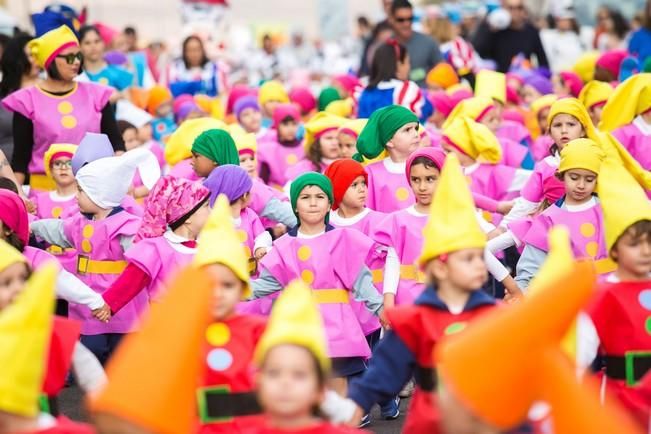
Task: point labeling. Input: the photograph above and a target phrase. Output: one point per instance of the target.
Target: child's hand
(495, 232)
(102, 314)
(504, 207)
(31, 206)
(384, 321)
(259, 253)
(279, 230)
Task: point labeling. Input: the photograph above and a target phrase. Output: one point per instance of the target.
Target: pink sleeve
(20, 102)
(485, 203)
(101, 95)
(256, 225)
(126, 287)
(533, 189)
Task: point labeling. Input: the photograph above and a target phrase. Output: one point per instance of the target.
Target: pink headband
(247, 152)
(56, 52)
(61, 154)
(484, 112)
(348, 131)
(327, 130)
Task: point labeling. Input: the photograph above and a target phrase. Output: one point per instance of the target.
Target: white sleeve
(87, 369)
(587, 341)
(391, 272)
(501, 242)
(485, 226)
(521, 209)
(520, 179)
(263, 240)
(495, 267)
(70, 288)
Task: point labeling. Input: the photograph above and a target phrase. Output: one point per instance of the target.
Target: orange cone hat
(499, 377)
(153, 375)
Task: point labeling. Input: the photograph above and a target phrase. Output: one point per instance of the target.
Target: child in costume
(334, 262)
(211, 149)
(60, 202)
(347, 136)
(627, 114)
(619, 311)
(247, 113)
(159, 105)
(233, 182)
(280, 153)
(321, 144)
(175, 211)
(579, 210)
(292, 356)
(101, 232)
(594, 96)
(540, 108)
(178, 149)
(394, 130)
(453, 260)
(270, 95)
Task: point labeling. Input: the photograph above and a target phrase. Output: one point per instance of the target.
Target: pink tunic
(403, 231)
(387, 192)
(158, 259)
(99, 240)
(184, 170)
(261, 194)
(302, 167)
(514, 131)
(248, 229)
(280, 159)
(533, 189)
(540, 147)
(37, 257)
(329, 263)
(513, 153)
(59, 119)
(50, 206)
(637, 143)
(493, 181)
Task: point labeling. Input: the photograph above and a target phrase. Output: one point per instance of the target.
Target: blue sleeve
(123, 79)
(528, 162)
(427, 109)
(391, 367)
(634, 45)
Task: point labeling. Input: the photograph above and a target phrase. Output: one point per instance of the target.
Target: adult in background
(521, 37)
(424, 52)
(194, 73)
(640, 44)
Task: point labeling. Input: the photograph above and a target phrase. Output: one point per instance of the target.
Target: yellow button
(304, 253)
(242, 235)
(65, 107)
(307, 276)
(88, 231)
(247, 252)
(587, 230)
(103, 80)
(86, 246)
(291, 159)
(592, 248)
(402, 194)
(56, 212)
(218, 334)
(69, 122)
(487, 216)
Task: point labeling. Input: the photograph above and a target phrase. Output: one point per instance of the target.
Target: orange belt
(605, 266)
(89, 266)
(331, 296)
(58, 250)
(411, 272)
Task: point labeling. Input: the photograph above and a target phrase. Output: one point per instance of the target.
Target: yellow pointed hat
(491, 84)
(25, 332)
(55, 150)
(295, 319)
(595, 92)
(319, 124)
(49, 45)
(272, 90)
(353, 127)
(630, 98)
(581, 154)
(452, 223)
(473, 139)
(9, 255)
(246, 142)
(585, 65)
(154, 374)
(473, 108)
(542, 103)
(342, 107)
(218, 243)
(179, 144)
(622, 199)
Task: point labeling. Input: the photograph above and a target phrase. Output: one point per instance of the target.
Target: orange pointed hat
(498, 378)
(153, 375)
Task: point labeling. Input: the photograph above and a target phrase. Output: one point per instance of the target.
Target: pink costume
(280, 159)
(50, 205)
(513, 153)
(184, 170)
(388, 189)
(540, 147)
(261, 194)
(59, 119)
(533, 190)
(330, 263)
(248, 229)
(514, 131)
(302, 167)
(403, 231)
(494, 181)
(637, 142)
(100, 261)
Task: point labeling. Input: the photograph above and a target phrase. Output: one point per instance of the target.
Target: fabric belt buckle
(82, 264)
(637, 364)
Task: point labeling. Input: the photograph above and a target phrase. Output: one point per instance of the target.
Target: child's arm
(520, 179)
(391, 278)
(521, 209)
(528, 265)
(587, 341)
(280, 212)
(265, 284)
(70, 288)
(51, 231)
(364, 291)
(126, 242)
(87, 369)
(262, 244)
(125, 287)
(501, 242)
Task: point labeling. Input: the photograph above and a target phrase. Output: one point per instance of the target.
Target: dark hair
(603, 74)
(14, 241)
(130, 30)
(384, 63)
(177, 224)
(187, 40)
(14, 64)
(8, 184)
(425, 161)
(4, 40)
(86, 30)
(124, 125)
(620, 25)
(647, 15)
(53, 71)
(314, 154)
(637, 230)
(287, 119)
(400, 4)
(363, 21)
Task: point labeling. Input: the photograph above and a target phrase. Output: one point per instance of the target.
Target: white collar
(338, 220)
(612, 278)
(389, 84)
(469, 169)
(553, 160)
(412, 210)
(176, 241)
(303, 236)
(584, 206)
(393, 167)
(642, 125)
(55, 197)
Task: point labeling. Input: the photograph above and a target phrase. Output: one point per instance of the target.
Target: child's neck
(347, 212)
(646, 117)
(293, 422)
(397, 157)
(184, 232)
(421, 208)
(571, 202)
(94, 66)
(311, 229)
(66, 190)
(452, 295)
(236, 209)
(625, 275)
(102, 214)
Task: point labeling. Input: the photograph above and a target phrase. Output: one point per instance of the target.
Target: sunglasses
(71, 57)
(404, 19)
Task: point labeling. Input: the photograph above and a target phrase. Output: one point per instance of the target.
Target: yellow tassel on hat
(585, 65)
(631, 98)
(179, 144)
(452, 223)
(319, 123)
(622, 199)
(25, 331)
(54, 149)
(474, 139)
(491, 84)
(471, 108)
(581, 154)
(45, 48)
(543, 102)
(595, 92)
(9, 255)
(342, 107)
(272, 91)
(353, 125)
(295, 320)
(218, 243)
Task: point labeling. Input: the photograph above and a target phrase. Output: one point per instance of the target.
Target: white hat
(127, 111)
(106, 181)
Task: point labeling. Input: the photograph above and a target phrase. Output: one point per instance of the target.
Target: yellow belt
(411, 272)
(605, 266)
(58, 250)
(41, 182)
(89, 266)
(378, 275)
(331, 296)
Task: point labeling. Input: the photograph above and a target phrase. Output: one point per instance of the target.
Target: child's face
(130, 137)
(250, 164)
(543, 115)
(202, 165)
(405, 140)
(579, 185)
(329, 144)
(347, 145)
(423, 181)
(464, 269)
(227, 291)
(559, 87)
(491, 119)
(288, 383)
(269, 107)
(312, 205)
(564, 128)
(164, 110)
(12, 282)
(250, 119)
(464, 160)
(287, 131)
(355, 196)
(437, 119)
(62, 172)
(595, 113)
(145, 133)
(86, 205)
(633, 254)
(529, 94)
